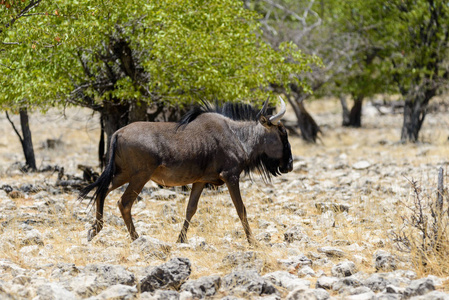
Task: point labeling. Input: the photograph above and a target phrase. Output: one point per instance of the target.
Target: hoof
(91, 234)
(181, 240)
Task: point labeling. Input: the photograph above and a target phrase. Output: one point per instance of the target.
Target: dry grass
(369, 219)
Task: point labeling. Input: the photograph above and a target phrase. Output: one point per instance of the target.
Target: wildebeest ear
(264, 121)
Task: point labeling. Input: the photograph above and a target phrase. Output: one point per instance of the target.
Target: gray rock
(295, 233)
(325, 282)
(344, 283)
(264, 237)
(308, 294)
(245, 282)
(203, 287)
(419, 287)
(286, 280)
(376, 283)
(306, 271)
(85, 285)
(364, 296)
(170, 274)
(331, 251)
(64, 270)
(384, 261)
(110, 274)
(160, 295)
(296, 262)
(361, 165)
(118, 291)
(343, 269)
(435, 295)
(8, 267)
(388, 296)
(32, 237)
(21, 279)
(52, 291)
(13, 291)
(147, 244)
(393, 289)
(243, 260)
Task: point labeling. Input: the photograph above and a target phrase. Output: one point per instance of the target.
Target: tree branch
(14, 127)
(29, 7)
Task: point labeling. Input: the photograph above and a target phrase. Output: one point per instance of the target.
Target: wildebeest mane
(234, 111)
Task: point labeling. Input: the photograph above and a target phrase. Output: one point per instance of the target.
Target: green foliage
(405, 43)
(184, 51)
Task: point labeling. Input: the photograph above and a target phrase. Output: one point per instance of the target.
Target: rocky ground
(325, 230)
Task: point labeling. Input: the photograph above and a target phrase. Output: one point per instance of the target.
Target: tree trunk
(355, 117)
(344, 106)
(413, 117)
(415, 110)
(27, 142)
(309, 128)
(115, 116)
(352, 118)
(25, 139)
(101, 146)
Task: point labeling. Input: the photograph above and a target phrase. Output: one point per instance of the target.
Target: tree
(409, 40)
(26, 137)
(314, 27)
(120, 58)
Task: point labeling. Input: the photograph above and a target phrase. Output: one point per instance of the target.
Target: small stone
(147, 244)
(331, 251)
(247, 281)
(202, 287)
(376, 283)
(419, 287)
(118, 291)
(295, 262)
(171, 274)
(54, 291)
(306, 271)
(346, 282)
(384, 261)
(343, 269)
(295, 233)
(243, 260)
(308, 294)
(286, 280)
(361, 165)
(325, 282)
(110, 274)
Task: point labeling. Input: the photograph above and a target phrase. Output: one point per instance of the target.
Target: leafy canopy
(186, 50)
(409, 40)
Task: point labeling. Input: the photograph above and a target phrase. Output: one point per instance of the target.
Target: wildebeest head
(277, 155)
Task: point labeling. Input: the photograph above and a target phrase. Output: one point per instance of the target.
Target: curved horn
(277, 117)
(263, 111)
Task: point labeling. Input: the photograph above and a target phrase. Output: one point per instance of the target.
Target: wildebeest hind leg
(195, 194)
(126, 202)
(117, 181)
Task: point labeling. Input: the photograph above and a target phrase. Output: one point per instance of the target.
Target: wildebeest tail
(103, 182)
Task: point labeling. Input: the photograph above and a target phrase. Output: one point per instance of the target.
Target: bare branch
(14, 127)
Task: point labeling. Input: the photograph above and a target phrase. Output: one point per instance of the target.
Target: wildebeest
(208, 146)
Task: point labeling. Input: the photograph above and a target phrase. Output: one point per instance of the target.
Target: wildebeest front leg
(195, 194)
(126, 202)
(234, 190)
